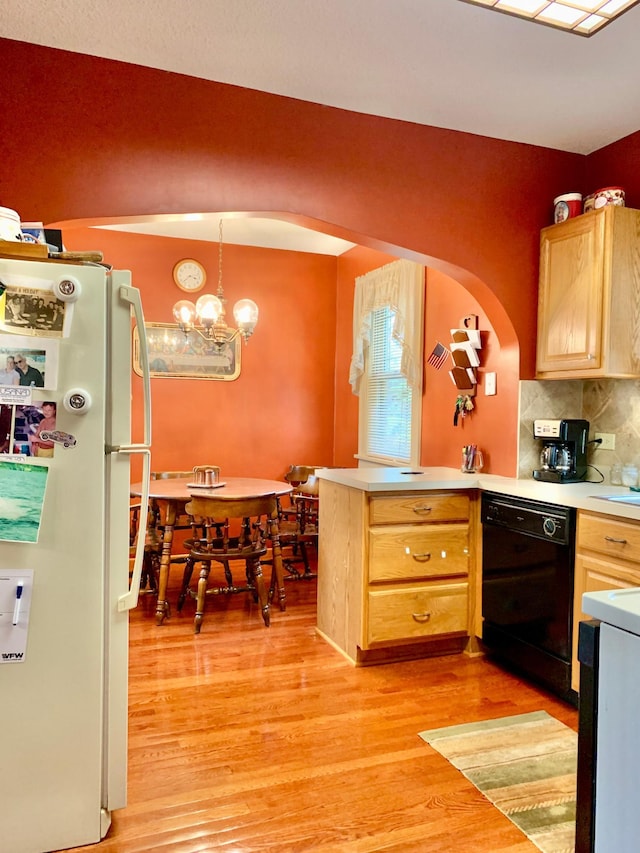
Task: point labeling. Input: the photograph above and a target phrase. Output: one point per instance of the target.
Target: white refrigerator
(63, 694)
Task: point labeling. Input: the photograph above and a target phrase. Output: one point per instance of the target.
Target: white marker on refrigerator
(16, 606)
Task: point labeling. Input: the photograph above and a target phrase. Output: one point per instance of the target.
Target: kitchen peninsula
(399, 571)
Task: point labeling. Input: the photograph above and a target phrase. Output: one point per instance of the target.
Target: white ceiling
(444, 63)
(242, 231)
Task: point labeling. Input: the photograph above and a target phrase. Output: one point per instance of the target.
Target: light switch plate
(489, 384)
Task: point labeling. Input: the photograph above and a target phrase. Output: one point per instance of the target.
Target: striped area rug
(526, 766)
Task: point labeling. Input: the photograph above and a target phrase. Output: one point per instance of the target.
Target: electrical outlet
(608, 440)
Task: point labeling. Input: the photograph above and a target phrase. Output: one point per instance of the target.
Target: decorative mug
(205, 476)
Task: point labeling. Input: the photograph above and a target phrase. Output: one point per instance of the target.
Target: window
(386, 369)
(387, 395)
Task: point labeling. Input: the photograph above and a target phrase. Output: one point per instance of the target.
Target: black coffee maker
(563, 458)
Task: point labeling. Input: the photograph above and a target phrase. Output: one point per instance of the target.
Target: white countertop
(580, 495)
(619, 607)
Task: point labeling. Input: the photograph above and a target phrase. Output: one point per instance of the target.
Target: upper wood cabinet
(589, 296)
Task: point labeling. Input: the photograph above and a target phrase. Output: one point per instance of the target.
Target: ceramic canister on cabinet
(9, 225)
(608, 195)
(567, 205)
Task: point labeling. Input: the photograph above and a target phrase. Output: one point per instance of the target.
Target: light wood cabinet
(397, 614)
(418, 551)
(396, 573)
(607, 558)
(589, 296)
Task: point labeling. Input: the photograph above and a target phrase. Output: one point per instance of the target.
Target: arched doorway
(293, 314)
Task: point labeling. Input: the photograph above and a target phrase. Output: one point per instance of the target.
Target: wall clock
(189, 275)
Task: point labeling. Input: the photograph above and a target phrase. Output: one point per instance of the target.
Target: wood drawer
(413, 551)
(414, 612)
(412, 508)
(614, 537)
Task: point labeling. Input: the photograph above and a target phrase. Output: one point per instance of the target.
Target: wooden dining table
(176, 493)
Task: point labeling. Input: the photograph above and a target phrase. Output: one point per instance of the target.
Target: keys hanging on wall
(464, 405)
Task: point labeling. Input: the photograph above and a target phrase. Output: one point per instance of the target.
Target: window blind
(386, 366)
(388, 396)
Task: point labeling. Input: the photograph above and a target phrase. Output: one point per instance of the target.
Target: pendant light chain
(220, 293)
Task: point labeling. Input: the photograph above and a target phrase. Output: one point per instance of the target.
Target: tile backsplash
(610, 406)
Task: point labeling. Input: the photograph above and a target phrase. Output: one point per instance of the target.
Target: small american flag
(438, 356)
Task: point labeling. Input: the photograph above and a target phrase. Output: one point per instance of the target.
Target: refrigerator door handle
(132, 296)
(130, 599)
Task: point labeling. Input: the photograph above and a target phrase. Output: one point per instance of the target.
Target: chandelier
(207, 316)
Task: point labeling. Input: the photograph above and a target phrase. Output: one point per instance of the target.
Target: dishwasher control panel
(533, 518)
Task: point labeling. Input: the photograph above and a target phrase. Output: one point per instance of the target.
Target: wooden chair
(299, 521)
(235, 529)
(152, 548)
(183, 521)
(154, 533)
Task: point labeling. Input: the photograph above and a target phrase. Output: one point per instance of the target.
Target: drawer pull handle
(421, 509)
(422, 558)
(613, 539)
(421, 617)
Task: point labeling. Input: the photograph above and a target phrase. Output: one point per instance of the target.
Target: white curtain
(397, 285)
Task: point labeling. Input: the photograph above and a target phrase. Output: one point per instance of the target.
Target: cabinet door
(570, 299)
(594, 575)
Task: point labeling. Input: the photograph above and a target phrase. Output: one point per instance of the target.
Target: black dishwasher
(527, 587)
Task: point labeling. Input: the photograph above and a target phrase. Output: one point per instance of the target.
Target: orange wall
(446, 302)
(616, 165)
(305, 409)
(280, 410)
(488, 425)
(112, 139)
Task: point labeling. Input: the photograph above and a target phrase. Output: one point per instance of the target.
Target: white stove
(617, 817)
(618, 607)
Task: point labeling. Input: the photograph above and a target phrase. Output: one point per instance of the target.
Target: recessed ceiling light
(584, 17)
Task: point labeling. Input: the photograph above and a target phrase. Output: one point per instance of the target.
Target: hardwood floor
(247, 738)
